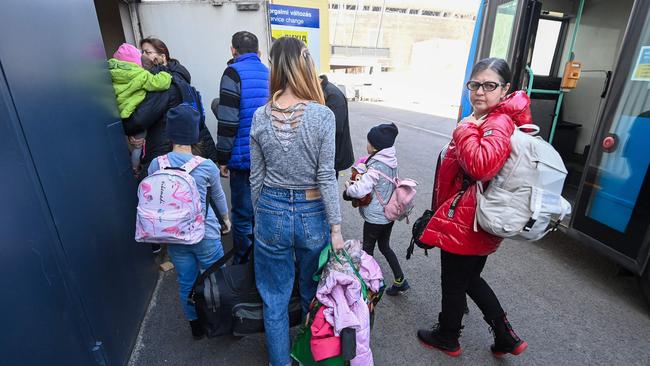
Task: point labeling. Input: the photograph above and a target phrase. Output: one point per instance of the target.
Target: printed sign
(294, 16)
(642, 68)
(297, 22)
(303, 36)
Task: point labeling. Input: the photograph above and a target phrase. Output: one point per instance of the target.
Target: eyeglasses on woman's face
(149, 52)
(487, 86)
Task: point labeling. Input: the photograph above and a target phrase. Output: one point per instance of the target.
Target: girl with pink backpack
(378, 181)
(173, 206)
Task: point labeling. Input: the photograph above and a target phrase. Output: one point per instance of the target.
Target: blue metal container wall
(54, 63)
(40, 310)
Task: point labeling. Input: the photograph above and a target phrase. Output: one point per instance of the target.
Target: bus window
(504, 23)
(546, 42)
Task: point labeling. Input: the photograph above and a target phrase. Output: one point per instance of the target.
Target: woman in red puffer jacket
(478, 150)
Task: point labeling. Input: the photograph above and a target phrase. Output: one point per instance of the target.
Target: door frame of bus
(488, 18)
(561, 91)
(522, 52)
(520, 42)
(522, 36)
(580, 225)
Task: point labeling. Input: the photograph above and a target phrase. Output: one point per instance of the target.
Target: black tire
(644, 280)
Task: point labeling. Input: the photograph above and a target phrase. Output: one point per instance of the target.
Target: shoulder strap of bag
(529, 129)
(215, 266)
(163, 162)
(467, 182)
(364, 288)
(189, 95)
(192, 163)
(184, 89)
(322, 262)
(392, 180)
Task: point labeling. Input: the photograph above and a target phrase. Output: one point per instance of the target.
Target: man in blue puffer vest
(244, 88)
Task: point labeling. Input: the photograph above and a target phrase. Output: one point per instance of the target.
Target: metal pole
(530, 79)
(557, 113)
(336, 24)
(354, 24)
(381, 22)
(571, 56)
(575, 29)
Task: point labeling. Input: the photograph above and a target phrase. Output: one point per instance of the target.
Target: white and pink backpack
(169, 205)
(402, 200)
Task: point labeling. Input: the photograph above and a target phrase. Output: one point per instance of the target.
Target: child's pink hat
(128, 52)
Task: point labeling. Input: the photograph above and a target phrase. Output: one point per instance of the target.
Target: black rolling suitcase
(227, 301)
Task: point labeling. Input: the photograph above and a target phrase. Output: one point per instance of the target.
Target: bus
(586, 66)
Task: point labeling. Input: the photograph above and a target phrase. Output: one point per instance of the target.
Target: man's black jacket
(151, 115)
(336, 101)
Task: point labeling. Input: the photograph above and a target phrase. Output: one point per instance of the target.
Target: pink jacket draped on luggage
(324, 343)
(340, 294)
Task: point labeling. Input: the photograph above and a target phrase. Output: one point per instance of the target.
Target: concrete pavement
(566, 301)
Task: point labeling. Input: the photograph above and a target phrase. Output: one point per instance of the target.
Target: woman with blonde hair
(293, 187)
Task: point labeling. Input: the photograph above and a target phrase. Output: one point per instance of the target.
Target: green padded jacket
(132, 82)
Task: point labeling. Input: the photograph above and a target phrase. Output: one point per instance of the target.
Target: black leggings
(460, 275)
(373, 233)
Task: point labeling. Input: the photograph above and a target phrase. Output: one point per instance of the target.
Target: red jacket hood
(517, 107)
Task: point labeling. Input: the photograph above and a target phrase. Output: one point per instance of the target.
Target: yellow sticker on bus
(642, 68)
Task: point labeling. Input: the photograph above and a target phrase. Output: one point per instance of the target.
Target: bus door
(613, 203)
(509, 33)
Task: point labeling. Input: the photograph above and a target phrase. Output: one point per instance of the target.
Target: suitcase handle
(218, 264)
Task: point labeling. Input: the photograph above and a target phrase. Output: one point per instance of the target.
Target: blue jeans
(287, 226)
(242, 212)
(187, 260)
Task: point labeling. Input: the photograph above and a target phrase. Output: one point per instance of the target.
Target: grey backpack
(524, 200)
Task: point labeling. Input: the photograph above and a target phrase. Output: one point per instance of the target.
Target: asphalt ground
(570, 304)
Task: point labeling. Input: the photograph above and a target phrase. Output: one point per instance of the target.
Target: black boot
(505, 338)
(442, 339)
(197, 329)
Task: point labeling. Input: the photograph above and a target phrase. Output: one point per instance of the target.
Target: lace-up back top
(293, 148)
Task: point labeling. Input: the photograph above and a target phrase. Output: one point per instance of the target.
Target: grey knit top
(295, 152)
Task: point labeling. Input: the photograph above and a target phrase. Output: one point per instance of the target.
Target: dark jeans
(380, 233)
(460, 275)
(242, 212)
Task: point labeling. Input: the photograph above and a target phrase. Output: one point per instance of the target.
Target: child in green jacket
(131, 83)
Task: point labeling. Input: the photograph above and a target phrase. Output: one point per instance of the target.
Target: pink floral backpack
(169, 205)
(402, 200)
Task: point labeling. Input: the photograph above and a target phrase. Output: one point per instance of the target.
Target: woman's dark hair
(158, 45)
(498, 65)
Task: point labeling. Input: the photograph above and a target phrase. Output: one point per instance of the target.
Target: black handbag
(227, 301)
(416, 232)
